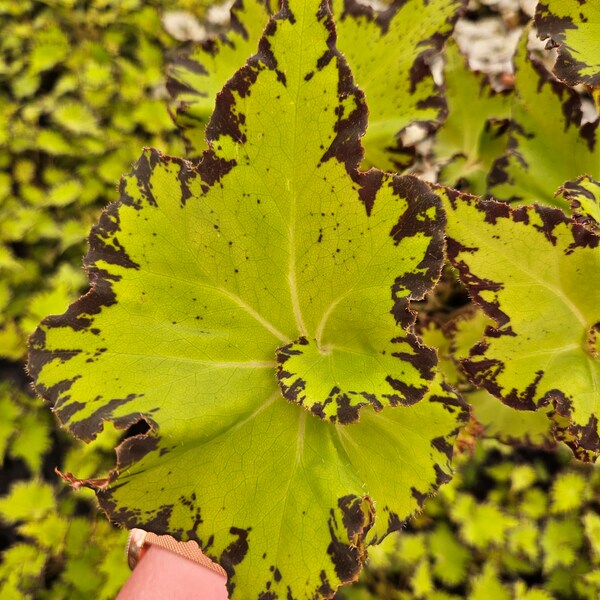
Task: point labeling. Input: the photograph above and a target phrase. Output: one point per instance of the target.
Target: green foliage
(515, 554)
(57, 551)
(545, 114)
(474, 133)
(271, 269)
(583, 194)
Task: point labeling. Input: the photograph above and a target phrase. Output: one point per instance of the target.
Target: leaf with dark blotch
(390, 52)
(546, 114)
(535, 272)
(197, 74)
(229, 298)
(573, 26)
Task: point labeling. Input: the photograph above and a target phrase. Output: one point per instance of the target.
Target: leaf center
(332, 382)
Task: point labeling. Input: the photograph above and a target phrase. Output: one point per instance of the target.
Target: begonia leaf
(535, 272)
(234, 305)
(388, 55)
(473, 135)
(498, 420)
(545, 114)
(573, 26)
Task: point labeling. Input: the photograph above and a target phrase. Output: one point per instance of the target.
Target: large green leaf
(387, 53)
(548, 145)
(575, 27)
(236, 303)
(535, 272)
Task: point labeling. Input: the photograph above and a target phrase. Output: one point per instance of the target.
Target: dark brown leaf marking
(349, 402)
(420, 69)
(592, 342)
(86, 429)
(234, 554)
(582, 439)
(441, 476)
(133, 449)
(441, 444)
(418, 496)
(571, 109)
(345, 147)
(347, 558)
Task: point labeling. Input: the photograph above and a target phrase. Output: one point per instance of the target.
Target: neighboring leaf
(474, 133)
(500, 421)
(29, 499)
(583, 194)
(10, 411)
(388, 55)
(569, 492)
(21, 570)
(196, 76)
(488, 586)
(422, 582)
(450, 557)
(535, 272)
(390, 58)
(523, 593)
(561, 542)
(273, 253)
(32, 439)
(546, 114)
(482, 525)
(591, 523)
(573, 26)
(523, 540)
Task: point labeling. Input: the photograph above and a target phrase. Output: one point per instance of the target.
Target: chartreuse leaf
(545, 114)
(28, 499)
(591, 522)
(575, 27)
(234, 308)
(488, 586)
(389, 56)
(583, 194)
(473, 135)
(387, 53)
(535, 272)
(561, 542)
(450, 557)
(569, 492)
